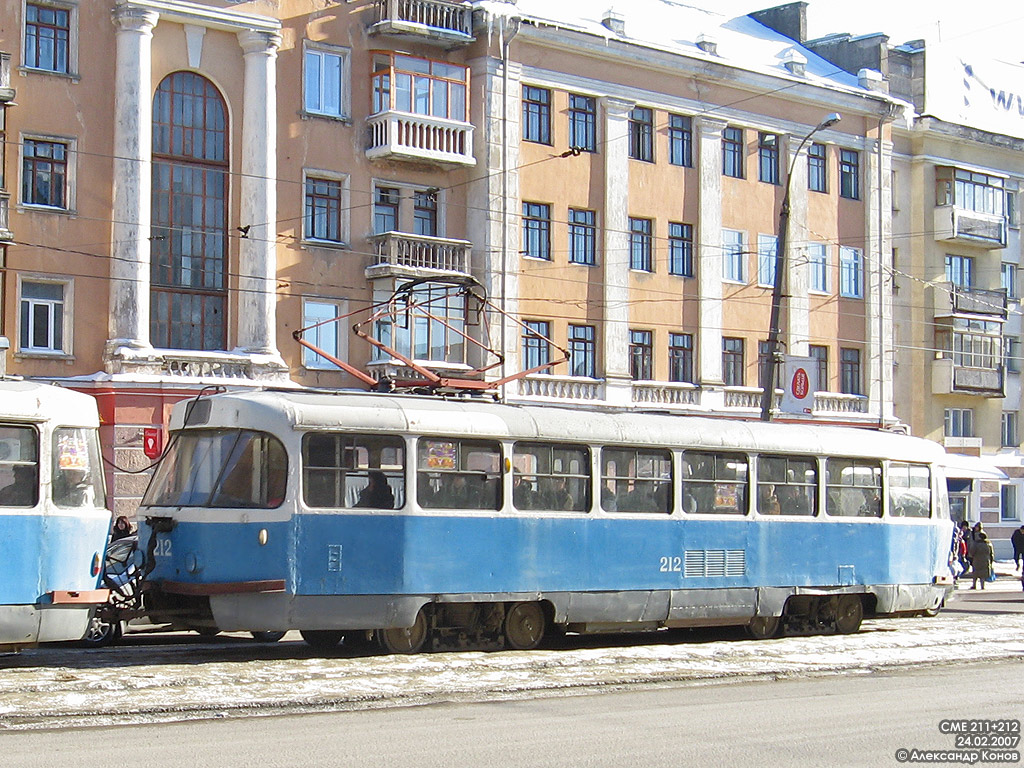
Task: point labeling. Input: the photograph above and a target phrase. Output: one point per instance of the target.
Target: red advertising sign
(152, 442)
(801, 384)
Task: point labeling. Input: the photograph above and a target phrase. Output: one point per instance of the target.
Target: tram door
(959, 498)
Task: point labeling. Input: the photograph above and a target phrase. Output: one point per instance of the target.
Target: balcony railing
(960, 225)
(420, 138)
(418, 252)
(5, 221)
(6, 92)
(949, 378)
(431, 20)
(665, 394)
(837, 402)
(952, 300)
(566, 388)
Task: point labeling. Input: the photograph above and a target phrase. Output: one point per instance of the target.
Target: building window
(424, 213)
(734, 255)
(732, 152)
(583, 122)
(819, 354)
(1008, 275)
(44, 173)
(419, 86)
(680, 249)
(849, 174)
(42, 317)
(189, 240)
(1011, 353)
(850, 380)
(970, 342)
(1012, 216)
(325, 209)
(436, 326)
(1009, 430)
(680, 357)
(958, 422)
(326, 81)
(641, 355)
(970, 191)
(582, 237)
(641, 134)
(537, 230)
(48, 38)
(768, 158)
(536, 114)
(763, 358)
(733, 363)
(324, 331)
(767, 251)
(1008, 508)
(960, 270)
(582, 351)
(817, 170)
(851, 273)
(385, 209)
(641, 245)
(536, 348)
(817, 258)
(680, 140)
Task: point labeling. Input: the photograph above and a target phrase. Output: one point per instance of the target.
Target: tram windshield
(227, 468)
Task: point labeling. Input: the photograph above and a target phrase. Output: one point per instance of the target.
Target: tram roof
(36, 402)
(283, 411)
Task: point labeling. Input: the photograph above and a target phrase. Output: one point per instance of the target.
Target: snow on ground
(51, 688)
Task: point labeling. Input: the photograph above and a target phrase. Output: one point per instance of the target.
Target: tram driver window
(458, 474)
(636, 480)
(787, 485)
(345, 471)
(550, 477)
(715, 483)
(77, 474)
(910, 490)
(853, 488)
(19, 466)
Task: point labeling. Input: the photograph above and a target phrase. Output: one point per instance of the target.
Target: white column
(796, 320)
(133, 124)
(878, 277)
(257, 303)
(709, 261)
(615, 258)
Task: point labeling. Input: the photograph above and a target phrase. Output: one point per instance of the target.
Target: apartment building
(192, 182)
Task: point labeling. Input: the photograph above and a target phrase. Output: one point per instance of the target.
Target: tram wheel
(405, 639)
(321, 639)
(524, 626)
(764, 627)
(849, 614)
(266, 636)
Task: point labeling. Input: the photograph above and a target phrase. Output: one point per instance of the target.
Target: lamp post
(768, 388)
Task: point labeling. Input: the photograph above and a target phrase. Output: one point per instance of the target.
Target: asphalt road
(855, 720)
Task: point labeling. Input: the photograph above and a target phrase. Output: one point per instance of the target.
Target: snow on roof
(675, 27)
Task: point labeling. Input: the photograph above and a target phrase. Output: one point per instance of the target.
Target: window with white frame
(969, 190)
(960, 270)
(958, 422)
(767, 250)
(1008, 275)
(325, 80)
(50, 37)
(419, 86)
(326, 207)
(324, 331)
(1009, 507)
(1009, 436)
(733, 255)
(851, 273)
(434, 329)
(408, 209)
(817, 259)
(43, 317)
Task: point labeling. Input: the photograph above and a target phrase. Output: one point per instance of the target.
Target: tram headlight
(191, 563)
(262, 537)
(97, 562)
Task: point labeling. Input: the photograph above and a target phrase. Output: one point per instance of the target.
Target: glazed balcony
(420, 139)
(5, 222)
(399, 254)
(951, 300)
(448, 24)
(948, 378)
(961, 225)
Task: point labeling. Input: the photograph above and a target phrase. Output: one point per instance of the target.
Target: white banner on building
(979, 93)
(798, 386)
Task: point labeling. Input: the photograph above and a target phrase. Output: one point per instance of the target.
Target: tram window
(229, 468)
(458, 474)
(636, 480)
(345, 471)
(910, 490)
(853, 488)
(715, 483)
(19, 466)
(787, 485)
(550, 477)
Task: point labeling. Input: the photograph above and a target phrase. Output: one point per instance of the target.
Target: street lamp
(768, 389)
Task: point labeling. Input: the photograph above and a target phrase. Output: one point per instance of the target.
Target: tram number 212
(162, 548)
(670, 564)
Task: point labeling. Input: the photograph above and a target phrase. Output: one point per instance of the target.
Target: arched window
(189, 225)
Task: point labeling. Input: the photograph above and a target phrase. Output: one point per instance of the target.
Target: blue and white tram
(459, 522)
(53, 524)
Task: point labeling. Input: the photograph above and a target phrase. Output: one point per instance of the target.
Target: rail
(434, 14)
(420, 137)
(401, 249)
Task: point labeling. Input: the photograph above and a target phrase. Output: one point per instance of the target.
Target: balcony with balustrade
(6, 91)
(420, 138)
(951, 300)
(448, 24)
(961, 225)
(5, 209)
(399, 254)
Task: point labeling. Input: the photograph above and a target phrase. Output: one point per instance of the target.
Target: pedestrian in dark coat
(984, 559)
(1017, 540)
